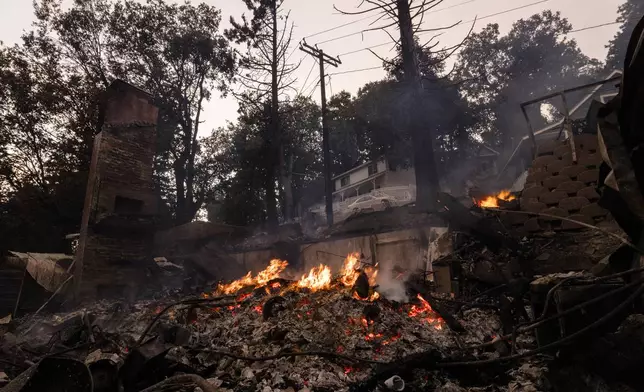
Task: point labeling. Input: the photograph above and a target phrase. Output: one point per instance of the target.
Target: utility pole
(334, 61)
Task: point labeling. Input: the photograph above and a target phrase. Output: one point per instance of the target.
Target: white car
(371, 202)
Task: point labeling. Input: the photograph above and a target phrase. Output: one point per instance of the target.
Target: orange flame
(271, 272)
(493, 201)
(350, 272)
(318, 278)
(425, 312)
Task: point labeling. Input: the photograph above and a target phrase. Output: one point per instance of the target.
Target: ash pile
(357, 329)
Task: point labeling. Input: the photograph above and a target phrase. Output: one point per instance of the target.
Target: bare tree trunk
(424, 161)
(276, 150)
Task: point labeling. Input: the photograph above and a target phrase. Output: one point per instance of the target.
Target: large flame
(318, 278)
(273, 271)
(493, 201)
(351, 271)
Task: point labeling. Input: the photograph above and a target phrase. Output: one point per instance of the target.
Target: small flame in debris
(374, 296)
(318, 278)
(348, 369)
(493, 200)
(425, 311)
(258, 308)
(271, 272)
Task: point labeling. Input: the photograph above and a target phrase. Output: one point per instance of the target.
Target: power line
(309, 75)
(461, 24)
(362, 31)
(355, 70)
(341, 26)
(314, 88)
(593, 27)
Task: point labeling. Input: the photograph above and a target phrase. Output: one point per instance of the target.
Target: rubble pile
(263, 333)
(319, 330)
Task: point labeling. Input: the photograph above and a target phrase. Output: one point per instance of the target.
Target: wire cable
(461, 24)
(593, 27)
(355, 70)
(307, 76)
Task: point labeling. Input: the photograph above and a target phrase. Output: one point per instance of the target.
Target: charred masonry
(120, 204)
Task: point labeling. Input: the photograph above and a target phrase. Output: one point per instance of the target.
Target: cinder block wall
(557, 185)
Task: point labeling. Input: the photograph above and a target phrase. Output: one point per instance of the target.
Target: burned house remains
(117, 229)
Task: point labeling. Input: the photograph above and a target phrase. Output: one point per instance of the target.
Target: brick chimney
(117, 227)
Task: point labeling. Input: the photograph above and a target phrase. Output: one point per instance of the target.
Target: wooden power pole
(324, 58)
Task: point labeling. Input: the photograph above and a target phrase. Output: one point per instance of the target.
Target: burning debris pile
(265, 332)
(279, 330)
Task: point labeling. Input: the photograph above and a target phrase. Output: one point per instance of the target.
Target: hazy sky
(313, 16)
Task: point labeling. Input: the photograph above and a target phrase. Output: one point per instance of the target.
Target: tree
(629, 13)
(173, 51)
(240, 152)
(408, 17)
(301, 149)
(498, 73)
(267, 73)
(349, 146)
(52, 82)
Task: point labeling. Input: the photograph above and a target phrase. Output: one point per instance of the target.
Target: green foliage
(533, 59)
(53, 80)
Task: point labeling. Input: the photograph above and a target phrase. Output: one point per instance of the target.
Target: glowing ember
(372, 336)
(243, 297)
(258, 309)
(318, 278)
(271, 272)
(391, 339)
(374, 296)
(348, 369)
(493, 201)
(425, 312)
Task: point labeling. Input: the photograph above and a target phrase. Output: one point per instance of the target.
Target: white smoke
(391, 285)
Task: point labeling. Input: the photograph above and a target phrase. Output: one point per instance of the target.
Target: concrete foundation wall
(409, 249)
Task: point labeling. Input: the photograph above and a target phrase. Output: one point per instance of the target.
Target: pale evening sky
(313, 16)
